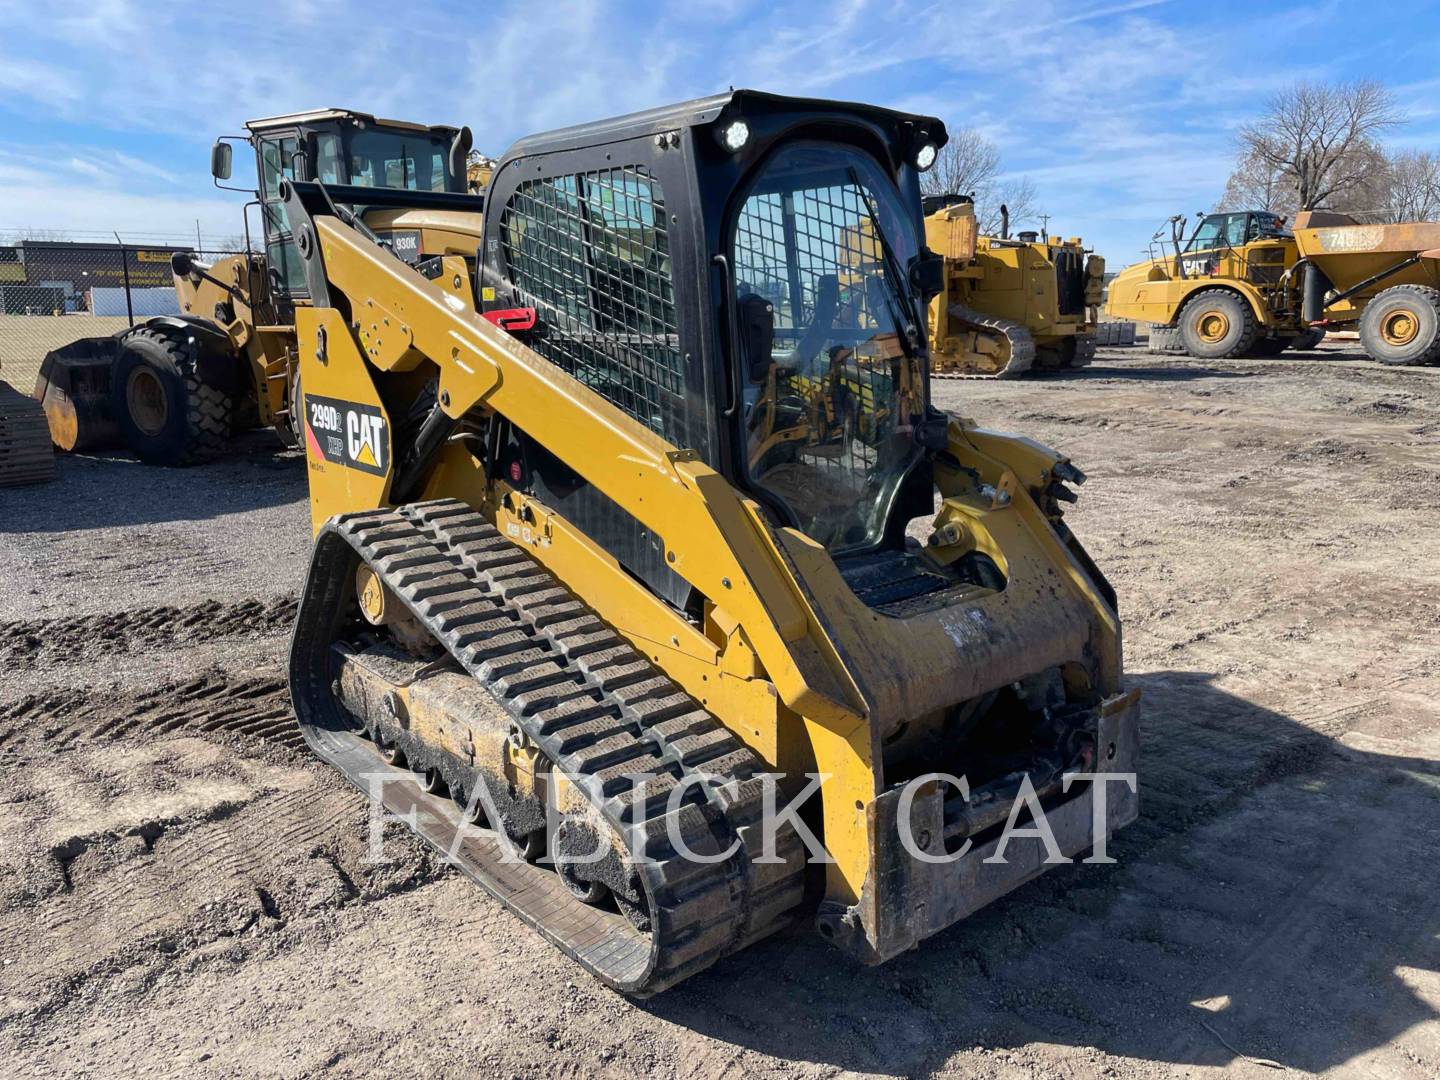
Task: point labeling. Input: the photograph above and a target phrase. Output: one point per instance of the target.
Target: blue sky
(1120, 111)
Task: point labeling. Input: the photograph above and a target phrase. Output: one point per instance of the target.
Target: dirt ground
(182, 890)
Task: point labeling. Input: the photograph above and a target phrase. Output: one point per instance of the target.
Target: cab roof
(320, 116)
(707, 110)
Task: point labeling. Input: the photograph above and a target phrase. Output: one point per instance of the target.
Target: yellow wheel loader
(1243, 284)
(174, 388)
(1009, 306)
(660, 681)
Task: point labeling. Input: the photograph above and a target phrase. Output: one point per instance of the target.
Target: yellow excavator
(174, 388)
(660, 682)
(1009, 305)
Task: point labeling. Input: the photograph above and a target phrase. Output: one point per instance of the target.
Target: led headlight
(925, 156)
(734, 136)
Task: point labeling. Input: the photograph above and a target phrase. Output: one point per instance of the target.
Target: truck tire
(1402, 325)
(1165, 339)
(1217, 324)
(167, 415)
(1307, 340)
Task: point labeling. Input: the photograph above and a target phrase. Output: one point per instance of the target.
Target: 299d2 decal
(347, 433)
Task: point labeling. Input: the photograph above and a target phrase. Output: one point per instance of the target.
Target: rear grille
(1070, 280)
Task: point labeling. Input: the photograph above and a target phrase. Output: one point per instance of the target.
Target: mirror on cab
(221, 160)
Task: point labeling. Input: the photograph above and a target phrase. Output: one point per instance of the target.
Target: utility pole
(1044, 227)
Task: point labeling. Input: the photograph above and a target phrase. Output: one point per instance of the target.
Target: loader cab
(343, 147)
(746, 276)
(1222, 238)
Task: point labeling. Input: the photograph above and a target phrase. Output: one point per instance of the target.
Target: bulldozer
(661, 682)
(1244, 284)
(175, 388)
(1009, 306)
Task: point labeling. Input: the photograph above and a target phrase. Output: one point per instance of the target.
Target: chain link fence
(56, 291)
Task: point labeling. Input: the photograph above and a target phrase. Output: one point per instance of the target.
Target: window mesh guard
(592, 254)
(789, 246)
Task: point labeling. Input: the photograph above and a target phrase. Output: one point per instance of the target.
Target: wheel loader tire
(1165, 339)
(1402, 325)
(1307, 340)
(292, 432)
(1217, 324)
(167, 415)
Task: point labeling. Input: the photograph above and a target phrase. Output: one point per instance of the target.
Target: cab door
(282, 157)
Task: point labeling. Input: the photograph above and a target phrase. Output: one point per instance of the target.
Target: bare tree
(969, 164)
(966, 165)
(1257, 185)
(1314, 135)
(1413, 182)
(1017, 196)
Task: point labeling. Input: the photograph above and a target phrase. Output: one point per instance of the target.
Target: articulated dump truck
(1244, 284)
(579, 617)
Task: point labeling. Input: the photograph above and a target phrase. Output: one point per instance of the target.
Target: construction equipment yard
(186, 888)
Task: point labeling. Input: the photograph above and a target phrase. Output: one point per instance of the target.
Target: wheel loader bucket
(74, 390)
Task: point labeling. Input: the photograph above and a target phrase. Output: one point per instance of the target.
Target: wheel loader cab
(740, 275)
(344, 147)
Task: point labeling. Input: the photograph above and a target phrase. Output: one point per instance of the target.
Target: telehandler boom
(612, 597)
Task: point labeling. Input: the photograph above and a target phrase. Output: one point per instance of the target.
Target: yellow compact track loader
(1244, 284)
(612, 598)
(1009, 306)
(176, 387)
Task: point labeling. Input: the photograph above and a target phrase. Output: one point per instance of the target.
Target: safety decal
(348, 433)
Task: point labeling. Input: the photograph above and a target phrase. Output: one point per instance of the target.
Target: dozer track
(1019, 339)
(26, 456)
(598, 711)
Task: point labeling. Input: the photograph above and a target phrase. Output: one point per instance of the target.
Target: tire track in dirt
(256, 706)
(31, 644)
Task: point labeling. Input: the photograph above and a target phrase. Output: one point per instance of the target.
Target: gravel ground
(183, 890)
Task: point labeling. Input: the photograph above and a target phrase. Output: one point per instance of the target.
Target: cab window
(277, 162)
(1207, 236)
(278, 158)
(329, 159)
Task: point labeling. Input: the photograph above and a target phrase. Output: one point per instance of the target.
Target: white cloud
(1121, 111)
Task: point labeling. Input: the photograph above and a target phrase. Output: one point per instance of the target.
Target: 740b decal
(348, 433)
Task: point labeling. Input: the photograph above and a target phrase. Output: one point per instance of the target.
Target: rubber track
(26, 456)
(1021, 341)
(596, 708)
